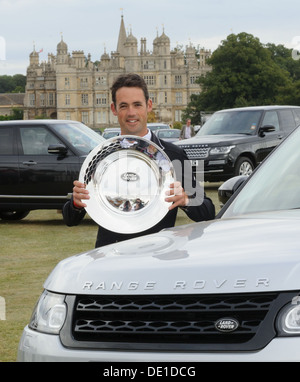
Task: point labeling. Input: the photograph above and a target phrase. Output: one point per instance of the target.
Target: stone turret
(78, 59)
(34, 58)
(61, 52)
(105, 60)
(161, 44)
(191, 59)
(131, 45)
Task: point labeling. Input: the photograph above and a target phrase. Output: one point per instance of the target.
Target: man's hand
(177, 196)
(79, 194)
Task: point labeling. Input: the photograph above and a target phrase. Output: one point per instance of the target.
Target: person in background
(131, 104)
(187, 131)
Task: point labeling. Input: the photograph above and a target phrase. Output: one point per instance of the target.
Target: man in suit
(131, 104)
(187, 131)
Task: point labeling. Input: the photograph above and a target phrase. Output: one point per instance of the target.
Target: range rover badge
(226, 325)
(130, 176)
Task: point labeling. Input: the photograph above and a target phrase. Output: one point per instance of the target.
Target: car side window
(287, 120)
(6, 141)
(35, 141)
(296, 113)
(271, 118)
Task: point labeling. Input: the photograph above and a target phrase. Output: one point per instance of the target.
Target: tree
(283, 57)
(12, 84)
(6, 84)
(244, 73)
(16, 114)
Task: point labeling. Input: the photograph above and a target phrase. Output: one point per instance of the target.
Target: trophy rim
(121, 169)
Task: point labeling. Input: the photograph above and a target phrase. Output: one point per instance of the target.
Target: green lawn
(29, 250)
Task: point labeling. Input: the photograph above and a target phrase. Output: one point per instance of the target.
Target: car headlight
(221, 150)
(288, 321)
(49, 314)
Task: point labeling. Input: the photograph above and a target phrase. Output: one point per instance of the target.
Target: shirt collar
(148, 135)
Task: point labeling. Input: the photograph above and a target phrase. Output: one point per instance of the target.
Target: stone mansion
(73, 87)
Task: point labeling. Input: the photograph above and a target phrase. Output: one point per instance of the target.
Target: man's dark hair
(130, 80)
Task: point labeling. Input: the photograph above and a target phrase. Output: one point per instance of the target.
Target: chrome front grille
(196, 151)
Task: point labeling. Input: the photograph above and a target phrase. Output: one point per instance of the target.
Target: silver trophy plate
(127, 178)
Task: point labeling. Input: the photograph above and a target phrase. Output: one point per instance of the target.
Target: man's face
(132, 110)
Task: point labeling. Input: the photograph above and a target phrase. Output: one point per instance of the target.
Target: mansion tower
(73, 87)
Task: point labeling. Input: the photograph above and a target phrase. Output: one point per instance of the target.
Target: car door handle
(30, 163)
(279, 136)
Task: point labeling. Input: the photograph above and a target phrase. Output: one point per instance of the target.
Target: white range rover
(223, 290)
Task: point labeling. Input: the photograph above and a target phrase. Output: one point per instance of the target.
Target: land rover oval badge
(226, 325)
(130, 176)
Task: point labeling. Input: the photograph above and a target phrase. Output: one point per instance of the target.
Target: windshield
(156, 127)
(170, 133)
(276, 184)
(110, 134)
(80, 136)
(232, 122)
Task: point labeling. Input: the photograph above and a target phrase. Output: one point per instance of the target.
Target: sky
(93, 25)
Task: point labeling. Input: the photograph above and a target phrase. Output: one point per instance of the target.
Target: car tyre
(13, 215)
(244, 166)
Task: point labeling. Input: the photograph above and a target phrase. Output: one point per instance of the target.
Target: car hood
(215, 139)
(258, 252)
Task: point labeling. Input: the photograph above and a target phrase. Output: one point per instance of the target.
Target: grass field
(29, 250)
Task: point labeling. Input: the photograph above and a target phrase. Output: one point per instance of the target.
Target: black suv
(234, 141)
(39, 160)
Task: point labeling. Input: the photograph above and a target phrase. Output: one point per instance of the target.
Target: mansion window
(85, 117)
(101, 80)
(101, 117)
(67, 99)
(84, 83)
(153, 97)
(148, 65)
(193, 79)
(84, 99)
(51, 99)
(178, 97)
(42, 100)
(67, 82)
(150, 80)
(31, 99)
(50, 85)
(178, 114)
(101, 99)
(178, 80)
